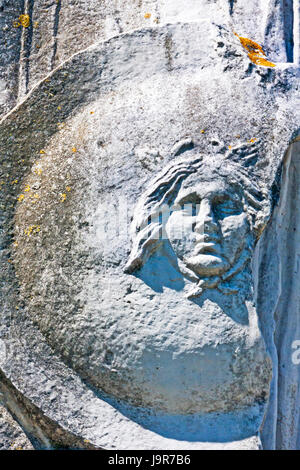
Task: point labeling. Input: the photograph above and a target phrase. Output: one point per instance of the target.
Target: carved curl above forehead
(235, 166)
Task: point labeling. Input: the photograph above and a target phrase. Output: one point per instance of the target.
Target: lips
(207, 244)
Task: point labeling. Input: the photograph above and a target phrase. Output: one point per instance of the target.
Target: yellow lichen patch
(68, 188)
(59, 108)
(255, 52)
(74, 149)
(14, 182)
(230, 147)
(27, 188)
(147, 16)
(21, 197)
(38, 171)
(202, 131)
(36, 24)
(92, 112)
(32, 229)
(251, 141)
(264, 62)
(63, 197)
(42, 152)
(24, 20)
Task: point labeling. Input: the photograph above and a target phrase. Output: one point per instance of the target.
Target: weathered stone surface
(12, 436)
(58, 29)
(101, 127)
(278, 256)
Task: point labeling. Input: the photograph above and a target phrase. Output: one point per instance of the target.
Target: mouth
(204, 248)
(207, 244)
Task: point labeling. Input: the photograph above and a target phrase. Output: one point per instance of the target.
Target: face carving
(207, 226)
(211, 212)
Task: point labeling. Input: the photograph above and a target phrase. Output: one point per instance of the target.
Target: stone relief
(212, 211)
(154, 342)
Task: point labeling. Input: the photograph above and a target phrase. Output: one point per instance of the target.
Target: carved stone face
(208, 226)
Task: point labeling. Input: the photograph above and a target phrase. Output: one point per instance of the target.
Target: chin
(207, 265)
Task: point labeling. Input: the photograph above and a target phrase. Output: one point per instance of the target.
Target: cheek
(234, 231)
(179, 232)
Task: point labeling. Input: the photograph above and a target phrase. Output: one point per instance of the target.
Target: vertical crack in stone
(288, 27)
(296, 31)
(21, 80)
(168, 51)
(231, 6)
(55, 32)
(25, 51)
(18, 67)
(28, 43)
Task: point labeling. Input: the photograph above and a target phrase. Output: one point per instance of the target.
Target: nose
(205, 221)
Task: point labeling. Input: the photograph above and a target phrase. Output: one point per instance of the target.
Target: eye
(189, 204)
(226, 207)
(190, 208)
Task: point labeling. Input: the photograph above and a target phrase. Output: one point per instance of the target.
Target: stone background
(57, 31)
(60, 28)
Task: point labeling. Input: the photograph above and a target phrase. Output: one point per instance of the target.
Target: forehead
(205, 188)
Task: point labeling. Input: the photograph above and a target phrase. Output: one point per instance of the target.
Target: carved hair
(147, 225)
